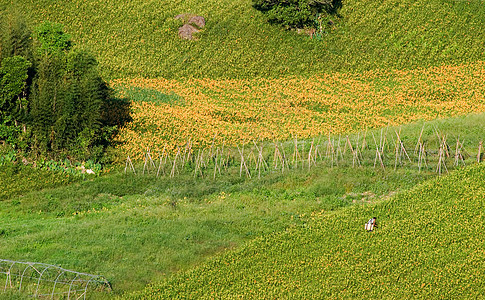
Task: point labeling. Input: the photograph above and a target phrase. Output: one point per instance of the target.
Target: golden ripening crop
(238, 111)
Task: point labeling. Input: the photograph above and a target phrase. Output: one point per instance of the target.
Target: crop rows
(169, 113)
(428, 245)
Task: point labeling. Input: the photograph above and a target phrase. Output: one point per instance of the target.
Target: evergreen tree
(44, 102)
(68, 98)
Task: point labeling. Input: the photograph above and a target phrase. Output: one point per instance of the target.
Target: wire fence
(40, 280)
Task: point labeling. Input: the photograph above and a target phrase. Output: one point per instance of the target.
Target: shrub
(294, 13)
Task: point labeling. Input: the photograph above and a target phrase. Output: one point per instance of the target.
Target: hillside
(138, 229)
(139, 38)
(428, 244)
(383, 63)
(389, 75)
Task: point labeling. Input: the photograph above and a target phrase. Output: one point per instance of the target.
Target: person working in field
(369, 226)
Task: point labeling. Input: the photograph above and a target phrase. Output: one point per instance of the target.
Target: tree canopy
(53, 102)
(295, 13)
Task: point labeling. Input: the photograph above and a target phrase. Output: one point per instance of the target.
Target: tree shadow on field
(336, 6)
(116, 114)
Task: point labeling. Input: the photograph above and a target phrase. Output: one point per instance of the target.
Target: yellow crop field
(238, 111)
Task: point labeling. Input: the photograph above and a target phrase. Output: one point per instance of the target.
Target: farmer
(369, 226)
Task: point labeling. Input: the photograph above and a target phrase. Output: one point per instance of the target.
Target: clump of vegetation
(53, 101)
(295, 13)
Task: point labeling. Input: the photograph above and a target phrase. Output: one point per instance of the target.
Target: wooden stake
(378, 154)
(128, 160)
(172, 173)
(458, 154)
(243, 163)
(310, 155)
(302, 153)
(479, 155)
(148, 158)
(160, 165)
(145, 163)
(364, 141)
(261, 160)
(198, 164)
(318, 154)
(285, 160)
(441, 157)
(397, 152)
(276, 155)
(222, 155)
(354, 153)
(330, 149)
(296, 154)
(419, 142)
(421, 156)
(403, 149)
(212, 146)
(216, 167)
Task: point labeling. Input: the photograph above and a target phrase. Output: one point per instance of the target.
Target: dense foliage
(295, 13)
(52, 97)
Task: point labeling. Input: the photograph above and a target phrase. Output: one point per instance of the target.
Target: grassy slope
(137, 230)
(429, 244)
(139, 38)
(140, 229)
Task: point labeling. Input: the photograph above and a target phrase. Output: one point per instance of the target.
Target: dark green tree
(295, 13)
(52, 98)
(85, 95)
(68, 98)
(44, 102)
(51, 38)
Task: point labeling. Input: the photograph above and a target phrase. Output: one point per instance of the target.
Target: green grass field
(140, 229)
(136, 230)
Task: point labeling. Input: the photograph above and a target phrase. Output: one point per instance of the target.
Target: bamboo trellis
(255, 158)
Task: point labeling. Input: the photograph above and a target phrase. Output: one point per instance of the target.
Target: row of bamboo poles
(386, 150)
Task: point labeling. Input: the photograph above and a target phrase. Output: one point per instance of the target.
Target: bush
(295, 13)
